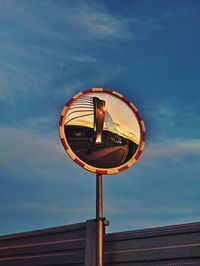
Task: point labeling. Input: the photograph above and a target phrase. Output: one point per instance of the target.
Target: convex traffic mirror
(102, 131)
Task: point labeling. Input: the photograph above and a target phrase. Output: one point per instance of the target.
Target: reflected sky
(119, 116)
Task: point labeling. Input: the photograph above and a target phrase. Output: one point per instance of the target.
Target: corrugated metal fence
(58, 246)
(170, 245)
(75, 245)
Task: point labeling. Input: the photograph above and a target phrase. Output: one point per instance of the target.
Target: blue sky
(146, 50)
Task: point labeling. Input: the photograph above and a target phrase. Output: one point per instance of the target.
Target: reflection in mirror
(102, 130)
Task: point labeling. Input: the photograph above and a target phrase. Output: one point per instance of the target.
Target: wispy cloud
(41, 123)
(99, 75)
(174, 148)
(30, 61)
(179, 12)
(26, 146)
(91, 21)
(139, 214)
(98, 22)
(46, 51)
(51, 208)
(170, 119)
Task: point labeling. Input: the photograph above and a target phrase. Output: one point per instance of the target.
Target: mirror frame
(83, 164)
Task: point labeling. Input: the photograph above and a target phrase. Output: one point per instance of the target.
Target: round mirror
(102, 131)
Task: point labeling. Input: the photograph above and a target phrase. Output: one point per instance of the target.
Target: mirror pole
(99, 221)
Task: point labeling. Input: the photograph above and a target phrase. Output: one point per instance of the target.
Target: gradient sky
(124, 121)
(146, 50)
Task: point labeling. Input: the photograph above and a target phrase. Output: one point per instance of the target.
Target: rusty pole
(99, 219)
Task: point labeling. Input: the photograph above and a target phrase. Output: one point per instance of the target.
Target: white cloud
(25, 146)
(174, 148)
(39, 122)
(90, 21)
(101, 24)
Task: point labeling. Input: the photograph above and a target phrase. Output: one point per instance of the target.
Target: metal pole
(99, 219)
